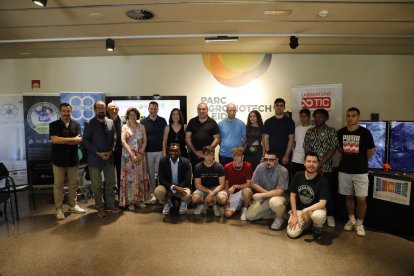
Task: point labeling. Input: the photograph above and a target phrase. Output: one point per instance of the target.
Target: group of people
(263, 168)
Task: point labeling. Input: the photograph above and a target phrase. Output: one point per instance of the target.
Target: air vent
(140, 14)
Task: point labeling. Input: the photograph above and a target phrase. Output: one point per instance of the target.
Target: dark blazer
(96, 138)
(184, 173)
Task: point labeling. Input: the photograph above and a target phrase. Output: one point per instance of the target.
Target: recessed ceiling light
(95, 15)
(25, 53)
(323, 13)
(278, 12)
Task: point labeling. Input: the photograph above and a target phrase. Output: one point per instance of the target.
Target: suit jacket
(98, 139)
(184, 173)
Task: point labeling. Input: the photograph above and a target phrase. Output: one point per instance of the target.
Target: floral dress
(134, 176)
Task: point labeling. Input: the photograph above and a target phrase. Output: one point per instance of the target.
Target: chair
(4, 174)
(5, 194)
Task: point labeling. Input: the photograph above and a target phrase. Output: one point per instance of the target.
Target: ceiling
(73, 28)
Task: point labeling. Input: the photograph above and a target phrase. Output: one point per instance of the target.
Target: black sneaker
(317, 233)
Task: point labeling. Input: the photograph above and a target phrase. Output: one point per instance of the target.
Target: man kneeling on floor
(269, 182)
(174, 175)
(308, 197)
(238, 179)
(209, 181)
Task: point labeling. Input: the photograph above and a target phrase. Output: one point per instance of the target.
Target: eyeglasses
(269, 159)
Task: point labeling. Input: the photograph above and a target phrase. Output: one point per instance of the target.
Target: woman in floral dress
(134, 175)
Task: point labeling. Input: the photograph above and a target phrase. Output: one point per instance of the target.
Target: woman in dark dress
(254, 149)
(175, 132)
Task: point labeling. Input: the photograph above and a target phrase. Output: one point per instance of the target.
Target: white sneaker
(359, 229)
(60, 215)
(153, 200)
(216, 210)
(131, 207)
(166, 210)
(349, 226)
(76, 209)
(183, 208)
(199, 209)
(277, 223)
(331, 221)
(243, 214)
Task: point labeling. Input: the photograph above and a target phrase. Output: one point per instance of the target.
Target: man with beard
(175, 179)
(308, 198)
(269, 183)
(99, 140)
(66, 136)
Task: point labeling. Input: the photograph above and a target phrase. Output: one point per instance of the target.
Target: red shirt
(238, 176)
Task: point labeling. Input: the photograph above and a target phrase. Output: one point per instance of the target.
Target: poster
(392, 190)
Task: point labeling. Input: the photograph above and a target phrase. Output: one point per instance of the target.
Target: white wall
(375, 84)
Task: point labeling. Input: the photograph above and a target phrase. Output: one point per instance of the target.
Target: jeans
(153, 159)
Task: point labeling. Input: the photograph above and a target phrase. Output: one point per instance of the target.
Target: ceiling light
(278, 12)
(42, 3)
(110, 45)
(294, 42)
(223, 38)
(323, 13)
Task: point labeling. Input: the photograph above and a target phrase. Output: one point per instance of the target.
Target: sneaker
(166, 210)
(199, 209)
(317, 233)
(153, 200)
(101, 213)
(349, 226)
(131, 207)
(60, 215)
(243, 214)
(277, 223)
(115, 210)
(331, 221)
(183, 208)
(140, 205)
(359, 229)
(216, 210)
(77, 210)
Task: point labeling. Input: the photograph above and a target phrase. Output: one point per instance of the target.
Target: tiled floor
(145, 242)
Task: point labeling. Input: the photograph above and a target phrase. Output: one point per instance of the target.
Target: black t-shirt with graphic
(354, 145)
(209, 175)
(309, 192)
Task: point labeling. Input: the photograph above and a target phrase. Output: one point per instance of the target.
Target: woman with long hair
(174, 132)
(134, 174)
(254, 148)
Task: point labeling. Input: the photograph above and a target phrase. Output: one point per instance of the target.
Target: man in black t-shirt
(209, 179)
(357, 147)
(308, 197)
(66, 136)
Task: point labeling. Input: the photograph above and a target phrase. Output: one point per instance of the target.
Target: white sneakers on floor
(216, 210)
(183, 208)
(60, 215)
(352, 225)
(331, 221)
(277, 223)
(199, 209)
(76, 209)
(167, 208)
(349, 226)
(243, 214)
(359, 229)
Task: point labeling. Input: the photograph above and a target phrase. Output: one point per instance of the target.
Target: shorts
(235, 201)
(350, 184)
(203, 194)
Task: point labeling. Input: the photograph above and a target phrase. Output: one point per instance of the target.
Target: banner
(328, 96)
(39, 111)
(12, 146)
(82, 104)
(392, 190)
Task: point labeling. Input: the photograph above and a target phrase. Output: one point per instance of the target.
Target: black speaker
(374, 116)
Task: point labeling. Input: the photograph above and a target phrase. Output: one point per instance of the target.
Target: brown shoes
(101, 213)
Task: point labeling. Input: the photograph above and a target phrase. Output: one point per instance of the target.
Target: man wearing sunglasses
(269, 183)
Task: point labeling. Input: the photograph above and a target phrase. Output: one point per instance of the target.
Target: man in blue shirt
(232, 134)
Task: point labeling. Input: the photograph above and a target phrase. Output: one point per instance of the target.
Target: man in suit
(174, 174)
(99, 140)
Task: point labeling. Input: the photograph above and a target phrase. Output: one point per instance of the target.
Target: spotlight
(110, 45)
(42, 3)
(294, 42)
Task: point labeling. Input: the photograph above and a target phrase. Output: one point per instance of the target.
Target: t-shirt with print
(309, 192)
(354, 145)
(209, 175)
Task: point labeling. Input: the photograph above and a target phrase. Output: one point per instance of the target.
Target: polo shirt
(202, 134)
(64, 155)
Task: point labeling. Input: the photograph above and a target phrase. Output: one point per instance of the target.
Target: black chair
(4, 174)
(5, 193)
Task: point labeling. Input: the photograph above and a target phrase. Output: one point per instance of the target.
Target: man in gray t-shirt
(269, 182)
